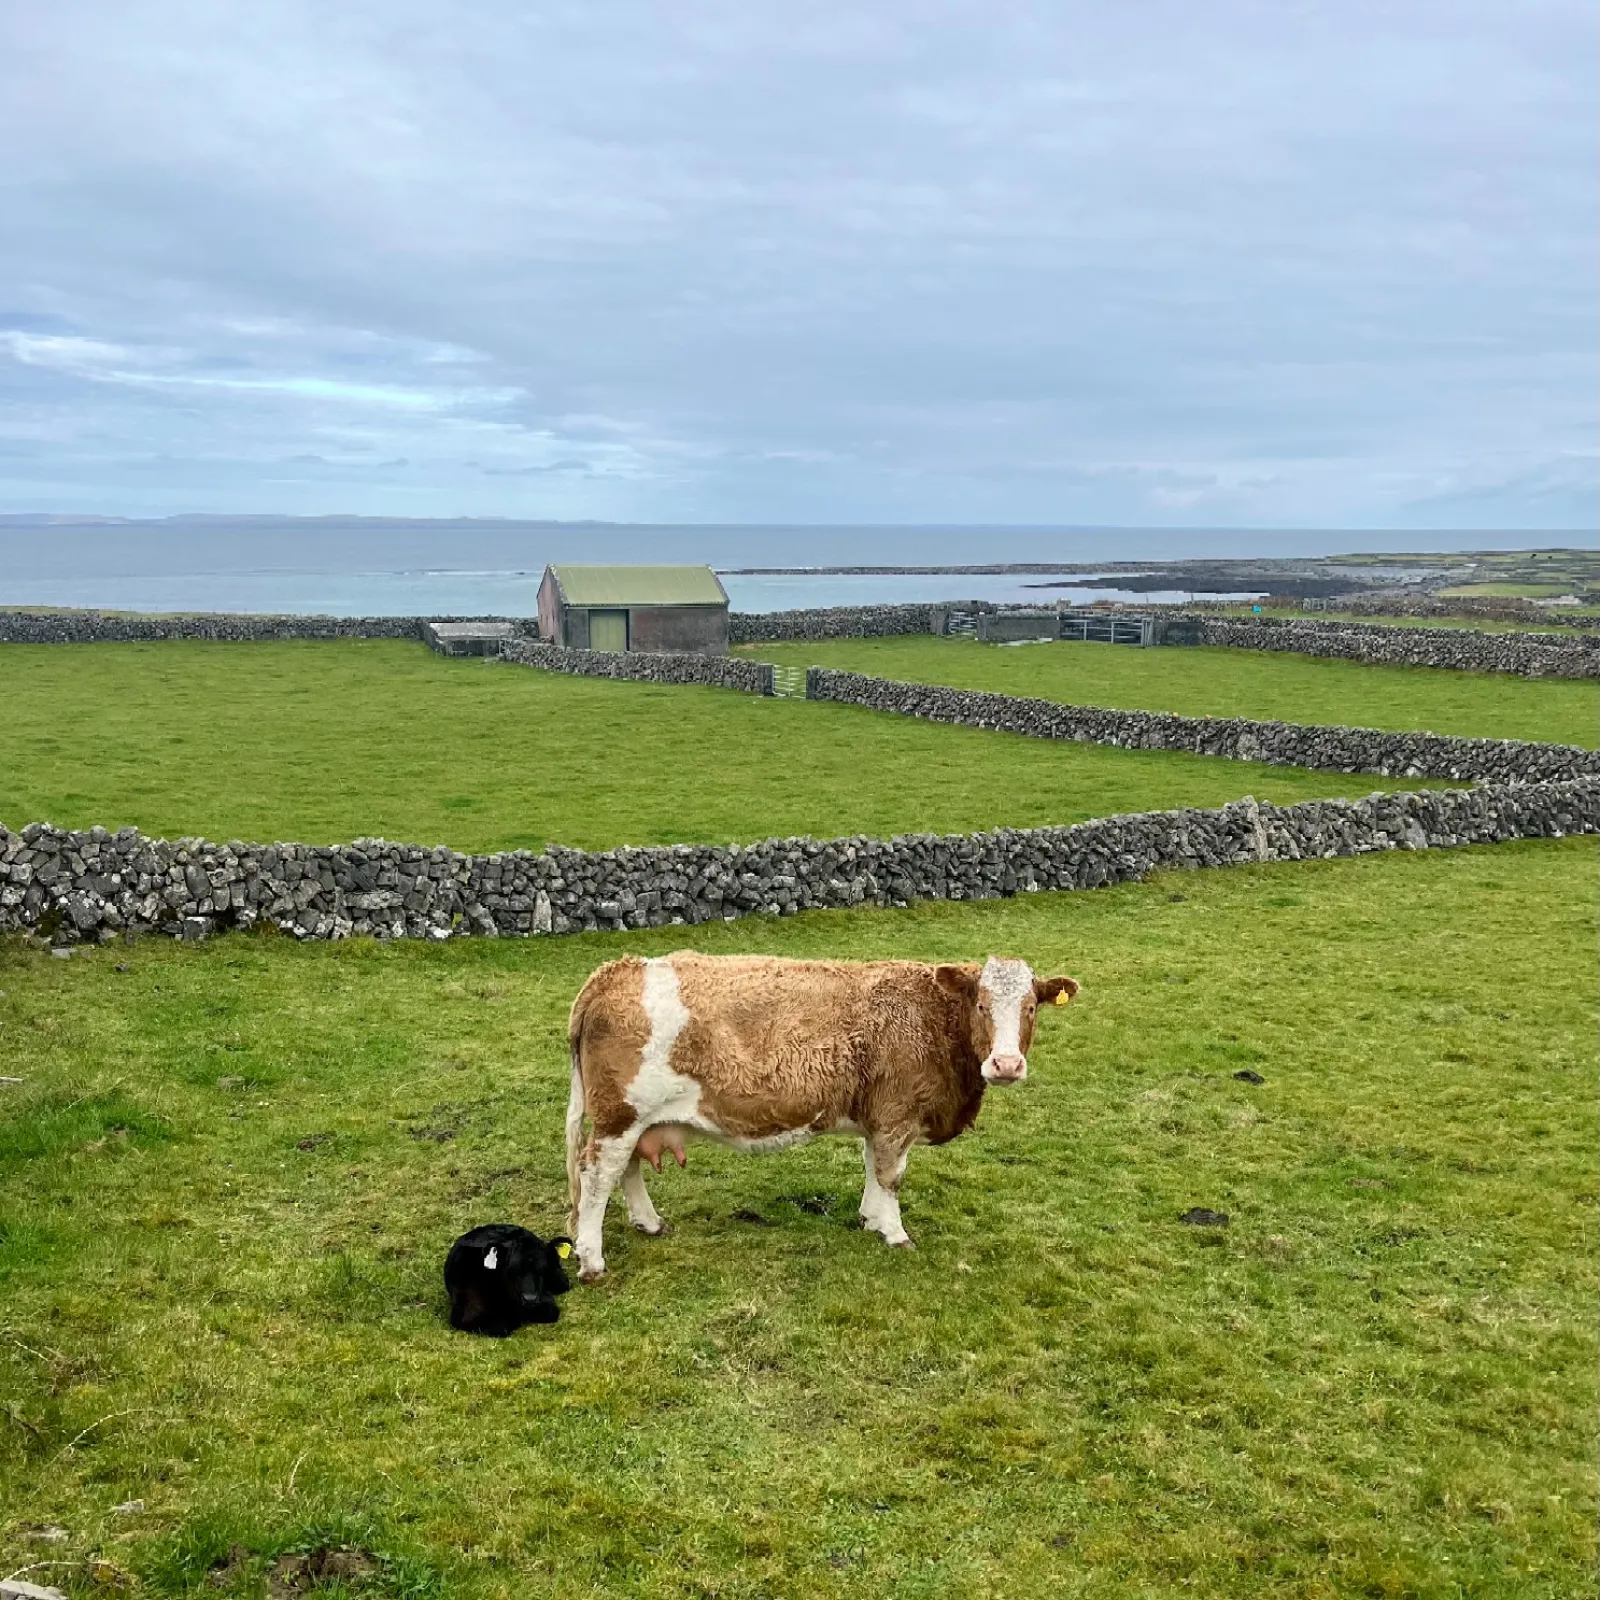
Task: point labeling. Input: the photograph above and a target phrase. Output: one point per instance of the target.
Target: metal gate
(789, 683)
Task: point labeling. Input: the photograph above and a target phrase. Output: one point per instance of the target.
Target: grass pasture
(229, 1176)
(1221, 682)
(324, 742)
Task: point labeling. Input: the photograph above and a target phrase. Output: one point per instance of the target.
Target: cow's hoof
(591, 1274)
(660, 1230)
(901, 1244)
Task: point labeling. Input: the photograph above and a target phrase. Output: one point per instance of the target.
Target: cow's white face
(1001, 1002)
(1006, 1001)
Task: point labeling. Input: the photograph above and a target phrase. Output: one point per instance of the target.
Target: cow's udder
(664, 1137)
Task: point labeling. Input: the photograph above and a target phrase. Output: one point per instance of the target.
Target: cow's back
(780, 1044)
(773, 1045)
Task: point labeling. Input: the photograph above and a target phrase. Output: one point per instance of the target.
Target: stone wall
(1524, 654)
(1410, 755)
(95, 885)
(100, 627)
(1527, 655)
(839, 622)
(1531, 655)
(723, 672)
(1491, 608)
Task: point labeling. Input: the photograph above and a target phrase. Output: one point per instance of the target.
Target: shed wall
(550, 619)
(680, 630)
(574, 627)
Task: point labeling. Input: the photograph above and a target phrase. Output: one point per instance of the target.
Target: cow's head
(1002, 1000)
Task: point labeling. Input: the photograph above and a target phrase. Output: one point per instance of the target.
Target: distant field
(1228, 683)
(322, 742)
(230, 1174)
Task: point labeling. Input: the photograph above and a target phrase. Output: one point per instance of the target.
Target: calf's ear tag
(1062, 997)
(492, 1260)
(564, 1250)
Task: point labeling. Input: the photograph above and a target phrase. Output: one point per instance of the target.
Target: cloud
(1045, 263)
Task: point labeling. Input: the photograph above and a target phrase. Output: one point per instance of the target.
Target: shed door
(608, 630)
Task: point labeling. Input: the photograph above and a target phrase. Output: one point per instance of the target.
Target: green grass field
(1228, 683)
(230, 1173)
(324, 742)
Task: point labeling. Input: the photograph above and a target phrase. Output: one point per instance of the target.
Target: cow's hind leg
(641, 1212)
(885, 1162)
(604, 1162)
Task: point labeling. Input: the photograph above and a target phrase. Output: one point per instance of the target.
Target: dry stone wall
(1408, 755)
(1495, 608)
(723, 672)
(1473, 650)
(100, 627)
(839, 622)
(1531, 655)
(94, 885)
(1525, 655)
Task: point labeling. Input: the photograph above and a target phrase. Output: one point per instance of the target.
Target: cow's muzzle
(1005, 1069)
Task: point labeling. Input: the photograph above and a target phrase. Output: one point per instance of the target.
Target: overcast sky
(909, 260)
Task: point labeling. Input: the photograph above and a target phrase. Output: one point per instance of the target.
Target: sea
(357, 566)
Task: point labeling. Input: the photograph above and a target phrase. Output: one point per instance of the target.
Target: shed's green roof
(639, 586)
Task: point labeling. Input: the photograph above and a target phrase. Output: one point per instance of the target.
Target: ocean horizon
(352, 566)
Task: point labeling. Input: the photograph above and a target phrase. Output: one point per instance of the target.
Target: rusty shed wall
(682, 630)
(550, 608)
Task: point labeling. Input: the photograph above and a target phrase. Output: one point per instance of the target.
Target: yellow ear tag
(1062, 997)
(563, 1250)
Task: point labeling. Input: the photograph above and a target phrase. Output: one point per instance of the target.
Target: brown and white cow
(761, 1053)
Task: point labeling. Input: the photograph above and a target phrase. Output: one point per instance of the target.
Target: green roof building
(682, 610)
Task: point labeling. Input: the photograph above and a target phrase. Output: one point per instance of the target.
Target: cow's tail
(575, 1111)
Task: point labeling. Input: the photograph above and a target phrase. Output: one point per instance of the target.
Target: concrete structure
(672, 610)
(468, 638)
(1017, 627)
(1081, 622)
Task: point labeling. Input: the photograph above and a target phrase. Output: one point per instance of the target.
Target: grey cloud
(1321, 264)
(567, 464)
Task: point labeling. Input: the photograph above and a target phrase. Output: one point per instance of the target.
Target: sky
(1155, 264)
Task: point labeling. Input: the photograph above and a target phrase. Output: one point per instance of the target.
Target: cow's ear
(1056, 991)
(961, 981)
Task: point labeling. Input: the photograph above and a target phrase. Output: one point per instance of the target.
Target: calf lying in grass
(500, 1276)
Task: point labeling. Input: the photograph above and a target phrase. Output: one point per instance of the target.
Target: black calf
(500, 1276)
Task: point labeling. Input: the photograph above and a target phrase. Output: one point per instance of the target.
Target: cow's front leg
(641, 1212)
(604, 1162)
(885, 1162)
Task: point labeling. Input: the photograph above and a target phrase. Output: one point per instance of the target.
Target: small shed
(467, 638)
(682, 610)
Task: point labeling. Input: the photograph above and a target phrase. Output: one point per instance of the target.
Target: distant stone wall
(722, 672)
(94, 885)
(1529, 655)
(1409, 755)
(100, 627)
(839, 622)
(1492, 608)
(1526, 655)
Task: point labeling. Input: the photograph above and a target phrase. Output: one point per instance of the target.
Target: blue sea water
(514, 594)
(352, 566)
